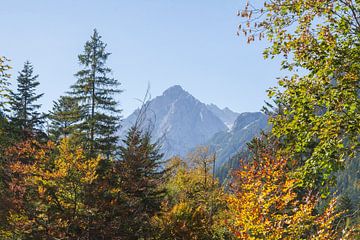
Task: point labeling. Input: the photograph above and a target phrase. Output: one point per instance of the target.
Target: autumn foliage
(194, 207)
(298, 181)
(267, 204)
(49, 192)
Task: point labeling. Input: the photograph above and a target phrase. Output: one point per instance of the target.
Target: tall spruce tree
(141, 178)
(64, 117)
(95, 90)
(23, 102)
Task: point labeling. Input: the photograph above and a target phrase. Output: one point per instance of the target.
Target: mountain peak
(175, 91)
(180, 120)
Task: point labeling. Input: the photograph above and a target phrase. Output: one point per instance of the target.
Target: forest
(66, 174)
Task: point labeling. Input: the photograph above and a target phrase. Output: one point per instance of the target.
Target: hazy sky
(161, 42)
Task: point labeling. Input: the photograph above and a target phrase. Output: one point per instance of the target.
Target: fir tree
(95, 90)
(141, 177)
(64, 116)
(23, 101)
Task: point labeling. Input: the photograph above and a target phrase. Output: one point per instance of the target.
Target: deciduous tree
(319, 101)
(266, 205)
(48, 191)
(194, 207)
(4, 84)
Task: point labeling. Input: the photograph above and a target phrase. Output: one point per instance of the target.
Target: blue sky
(156, 42)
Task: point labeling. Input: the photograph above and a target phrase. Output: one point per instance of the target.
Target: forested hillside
(76, 178)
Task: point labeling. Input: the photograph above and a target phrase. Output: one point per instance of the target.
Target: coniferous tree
(23, 101)
(95, 90)
(140, 177)
(64, 117)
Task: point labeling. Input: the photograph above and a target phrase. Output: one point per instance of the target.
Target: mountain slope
(228, 143)
(179, 120)
(226, 115)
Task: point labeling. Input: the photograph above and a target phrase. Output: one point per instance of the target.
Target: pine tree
(95, 90)
(64, 117)
(141, 177)
(23, 101)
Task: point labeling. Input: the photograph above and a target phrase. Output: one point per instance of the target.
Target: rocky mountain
(226, 115)
(179, 120)
(228, 143)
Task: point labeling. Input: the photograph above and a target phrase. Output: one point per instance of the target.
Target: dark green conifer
(23, 102)
(95, 92)
(141, 177)
(64, 117)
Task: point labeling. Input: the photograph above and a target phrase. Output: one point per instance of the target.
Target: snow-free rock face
(226, 115)
(246, 127)
(179, 120)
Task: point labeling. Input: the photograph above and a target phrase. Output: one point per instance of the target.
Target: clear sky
(192, 43)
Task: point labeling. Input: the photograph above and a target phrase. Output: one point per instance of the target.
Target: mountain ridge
(247, 126)
(181, 122)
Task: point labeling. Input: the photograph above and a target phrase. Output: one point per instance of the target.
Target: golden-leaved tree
(267, 203)
(195, 204)
(318, 103)
(49, 188)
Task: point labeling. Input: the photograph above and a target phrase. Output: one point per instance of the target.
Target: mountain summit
(181, 122)
(175, 91)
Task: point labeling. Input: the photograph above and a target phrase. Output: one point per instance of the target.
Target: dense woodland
(75, 179)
